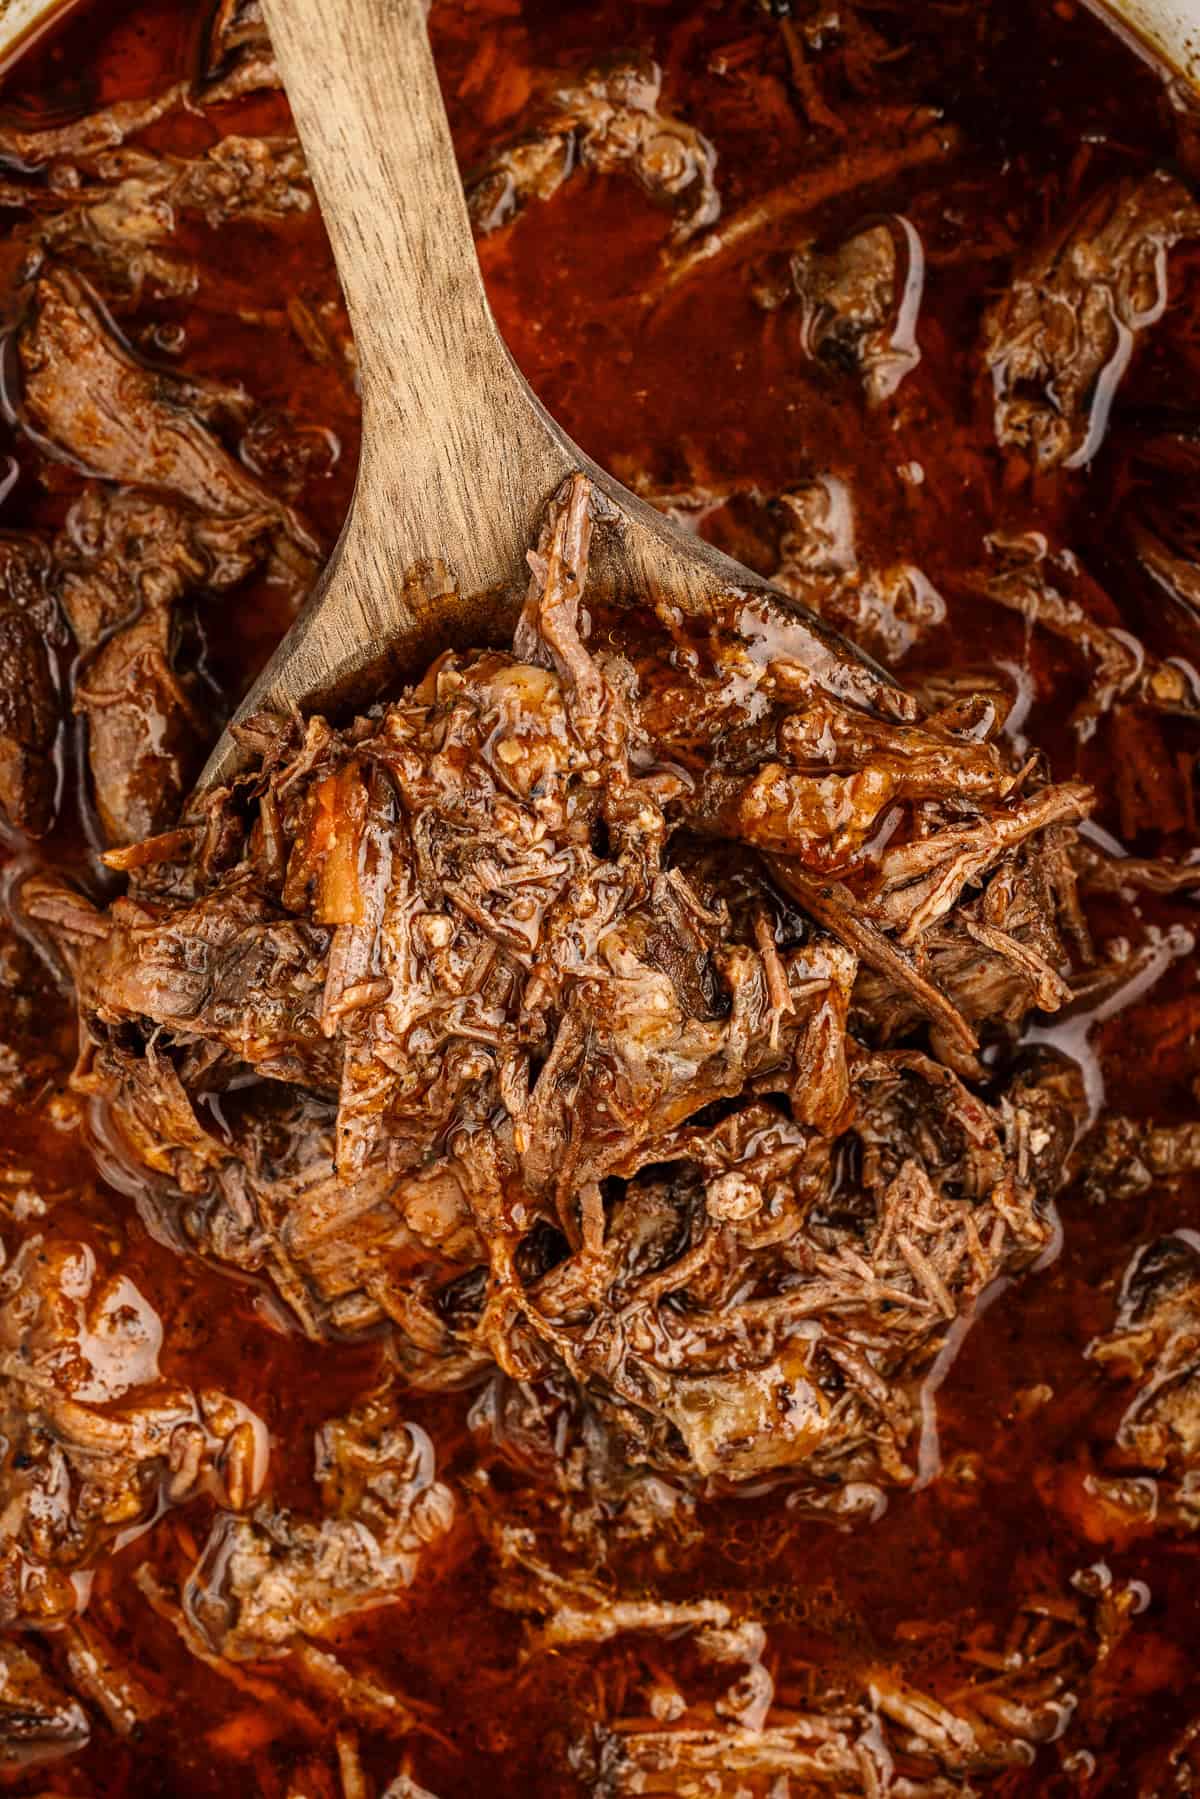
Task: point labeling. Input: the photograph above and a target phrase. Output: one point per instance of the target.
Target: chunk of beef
(268, 1200)
(859, 303)
(242, 975)
(933, 949)
(125, 562)
(147, 729)
(1155, 1342)
(30, 713)
(1175, 1767)
(29, 724)
(791, 767)
(572, 1499)
(1158, 519)
(572, 1609)
(1126, 1156)
(250, 178)
(124, 553)
(507, 939)
(772, 1325)
(1161, 523)
(267, 1582)
(95, 1441)
(1171, 568)
(97, 404)
(607, 121)
(101, 1674)
(886, 611)
(405, 1787)
(96, 131)
(39, 1722)
(237, 56)
(1058, 342)
(356, 1696)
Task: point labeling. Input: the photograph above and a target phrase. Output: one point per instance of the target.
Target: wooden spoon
(458, 457)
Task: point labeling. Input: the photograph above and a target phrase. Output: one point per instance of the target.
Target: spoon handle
(364, 93)
(457, 456)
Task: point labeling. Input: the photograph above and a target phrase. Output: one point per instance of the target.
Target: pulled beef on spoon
(527, 1000)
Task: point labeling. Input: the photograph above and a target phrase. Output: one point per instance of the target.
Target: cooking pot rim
(1163, 30)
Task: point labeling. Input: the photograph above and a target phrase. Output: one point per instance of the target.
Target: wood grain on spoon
(458, 456)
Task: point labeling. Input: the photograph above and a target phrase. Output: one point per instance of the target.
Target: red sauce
(707, 390)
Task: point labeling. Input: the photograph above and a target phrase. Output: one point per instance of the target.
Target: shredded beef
(177, 519)
(39, 1722)
(480, 967)
(237, 57)
(98, 404)
(125, 561)
(859, 303)
(94, 1439)
(1052, 591)
(608, 120)
(487, 1302)
(1058, 342)
(1152, 1475)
